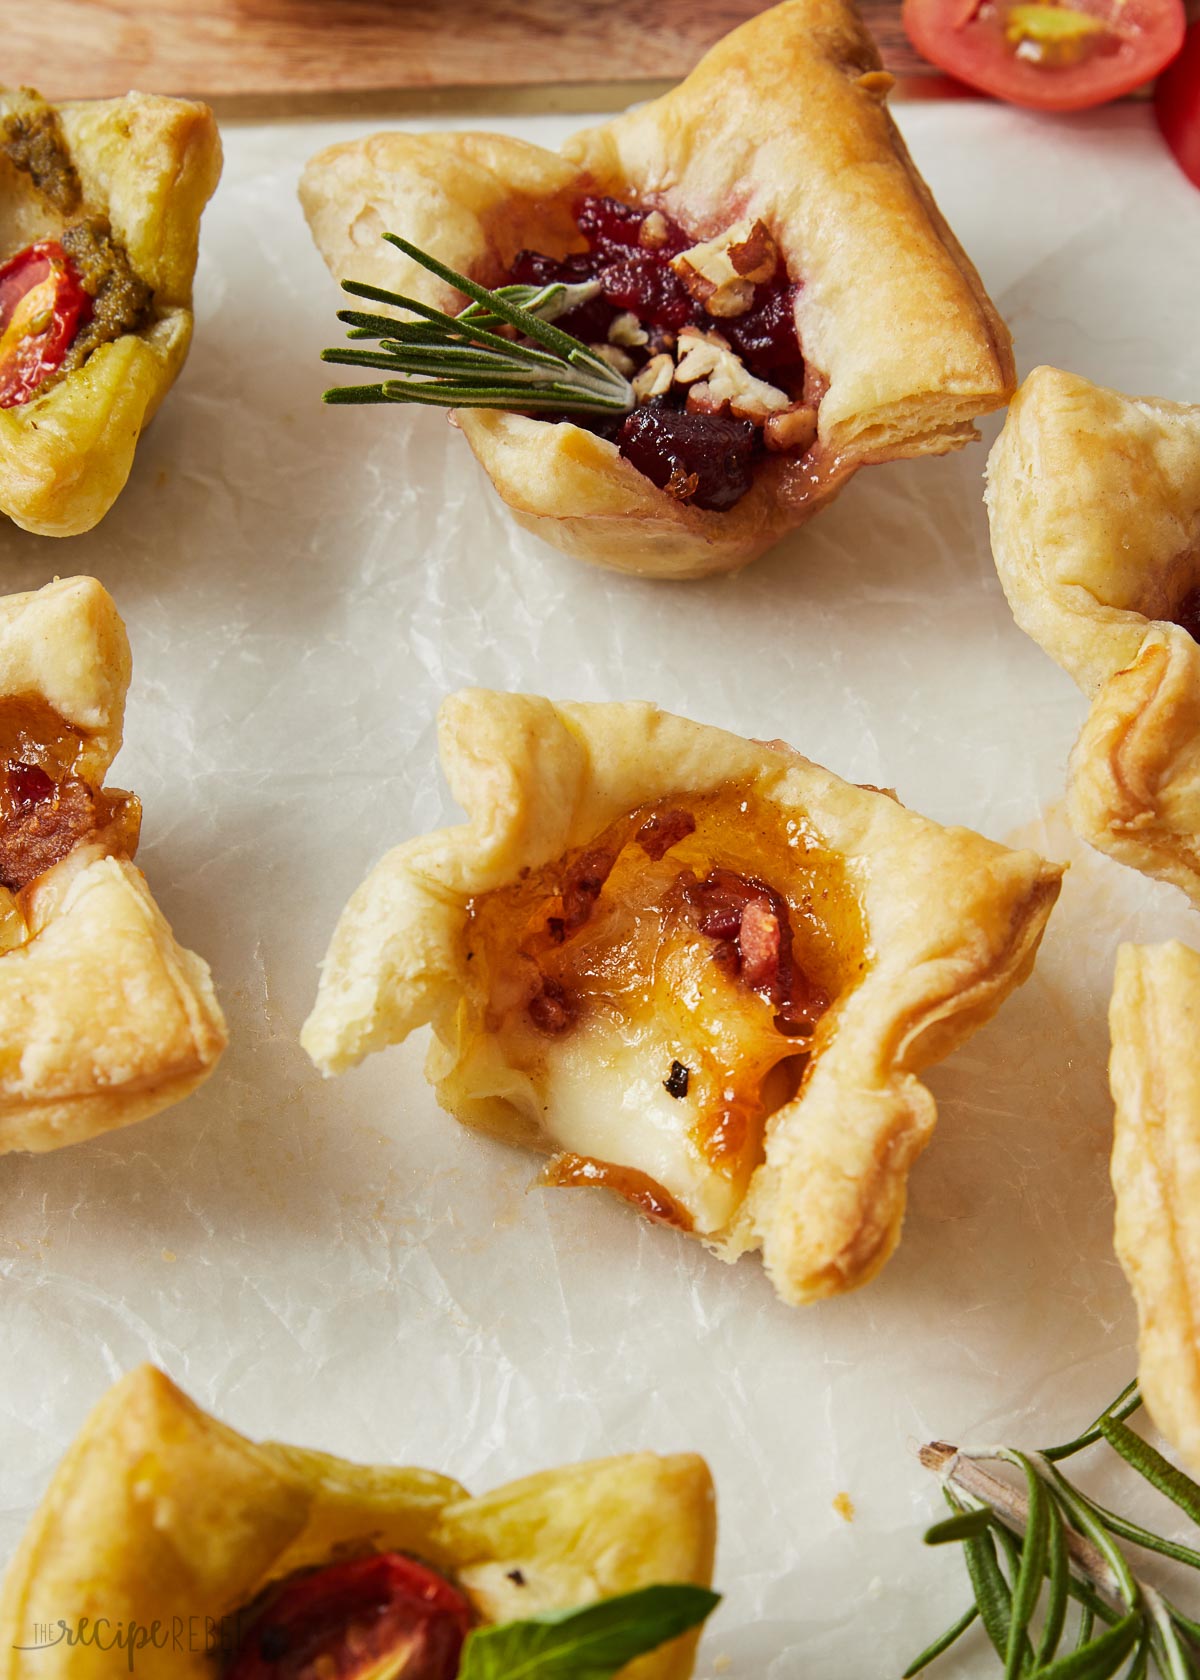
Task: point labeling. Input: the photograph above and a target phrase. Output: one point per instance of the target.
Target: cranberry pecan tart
(104, 1018)
(695, 970)
(100, 205)
(268, 1562)
(755, 251)
(1095, 513)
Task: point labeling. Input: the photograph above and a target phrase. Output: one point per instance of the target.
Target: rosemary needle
(1030, 1551)
(502, 351)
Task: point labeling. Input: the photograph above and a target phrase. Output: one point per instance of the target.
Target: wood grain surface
(251, 56)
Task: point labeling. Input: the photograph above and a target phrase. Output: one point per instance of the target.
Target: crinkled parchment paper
(339, 1264)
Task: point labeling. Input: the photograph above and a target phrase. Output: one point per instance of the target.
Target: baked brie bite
(1094, 500)
(104, 1018)
(280, 1563)
(755, 251)
(1154, 1072)
(100, 205)
(698, 971)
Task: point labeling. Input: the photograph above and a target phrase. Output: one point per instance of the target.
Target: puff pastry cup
(784, 122)
(135, 173)
(159, 1511)
(1094, 500)
(698, 970)
(104, 1018)
(1154, 1072)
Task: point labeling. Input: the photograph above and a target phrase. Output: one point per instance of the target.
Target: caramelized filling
(636, 1188)
(661, 991)
(46, 807)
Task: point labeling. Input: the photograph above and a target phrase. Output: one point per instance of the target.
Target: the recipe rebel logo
(209, 1635)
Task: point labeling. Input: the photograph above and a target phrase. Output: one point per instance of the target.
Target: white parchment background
(338, 1264)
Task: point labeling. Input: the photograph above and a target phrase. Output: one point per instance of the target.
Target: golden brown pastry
(781, 135)
(100, 205)
(1155, 1076)
(160, 1512)
(698, 970)
(1095, 511)
(104, 1018)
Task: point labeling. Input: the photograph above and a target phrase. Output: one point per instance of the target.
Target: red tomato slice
(1049, 56)
(42, 306)
(384, 1617)
(1177, 105)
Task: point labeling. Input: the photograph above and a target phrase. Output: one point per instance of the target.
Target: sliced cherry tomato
(42, 307)
(1177, 105)
(384, 1617)
(1050, 56)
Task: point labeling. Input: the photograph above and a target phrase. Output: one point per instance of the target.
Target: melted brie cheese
(639, 990)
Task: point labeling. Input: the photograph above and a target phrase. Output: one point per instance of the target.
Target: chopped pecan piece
(793, 431)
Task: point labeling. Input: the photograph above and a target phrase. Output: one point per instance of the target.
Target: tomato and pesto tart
(100, 205)
(271, 1562)
(104, 1017)
(698, 971)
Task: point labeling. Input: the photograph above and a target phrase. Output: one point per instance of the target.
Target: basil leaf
(593, 1643)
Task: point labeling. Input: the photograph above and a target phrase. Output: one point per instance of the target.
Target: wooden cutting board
(255, 56)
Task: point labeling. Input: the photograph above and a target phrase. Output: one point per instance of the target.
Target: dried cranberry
(673, 448)
(765, 336)
(1187, 614)
(28, 785)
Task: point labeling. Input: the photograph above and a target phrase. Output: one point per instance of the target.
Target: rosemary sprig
(502, 351)
(1032, 1549)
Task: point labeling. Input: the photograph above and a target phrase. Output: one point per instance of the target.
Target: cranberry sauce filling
(696, 445)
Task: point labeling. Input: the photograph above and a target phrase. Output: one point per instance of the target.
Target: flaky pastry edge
(953, 922)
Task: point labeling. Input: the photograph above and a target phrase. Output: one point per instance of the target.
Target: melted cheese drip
(643, 992)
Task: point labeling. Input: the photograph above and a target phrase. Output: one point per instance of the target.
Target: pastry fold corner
(1154, 1072)
(784, 121)
(161, 1514)
(1094, 500)
(149, 165)
(920, 931)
